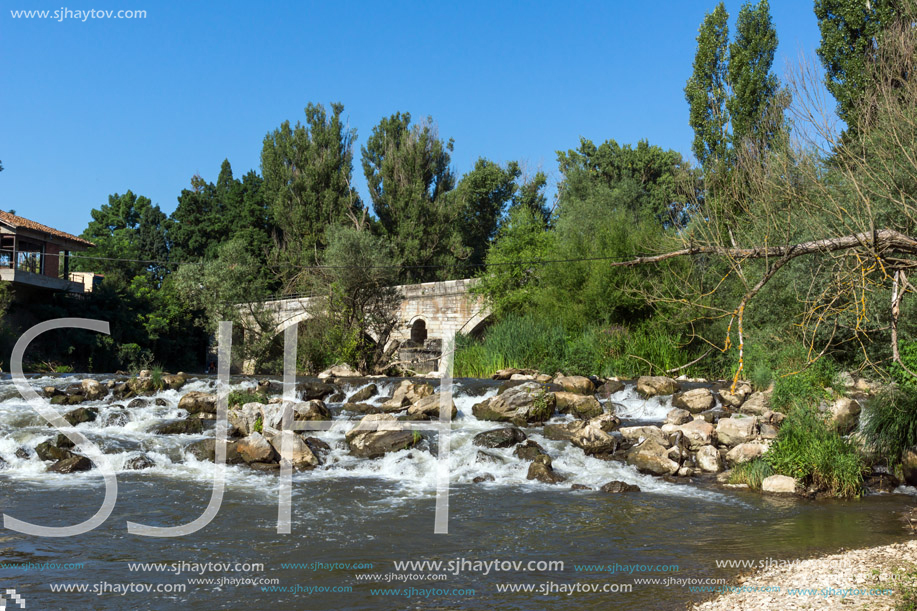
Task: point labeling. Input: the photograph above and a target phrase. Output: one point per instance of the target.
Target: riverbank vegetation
(783, 256)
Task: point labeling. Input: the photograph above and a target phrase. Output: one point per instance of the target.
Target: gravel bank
(857, 579)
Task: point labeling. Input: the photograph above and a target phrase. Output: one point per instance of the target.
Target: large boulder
(779, 484)
(845, 414)
(757, 403)
(341, 370)
(697, 433)
(378, 434)
(695, 400)
(636, 434)
(652, 386)
(744, 452)
(678, 416)
(93, 390)
(315, 390)
(48, 450)
(205, 450)
(579, 406)
(499, 438)
(607, 422)
(139, 463)
(522, 405)
(311, 411)
(197, 402)
(291, 447)
(735, 430)
(428, 408)
(580, 385)
(592, 439)
(506, 374)
(174, 381)
(651, 457)
(245, 418)
(708, 459)
(255, 448)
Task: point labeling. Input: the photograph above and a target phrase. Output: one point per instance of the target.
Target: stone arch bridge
(428, 312)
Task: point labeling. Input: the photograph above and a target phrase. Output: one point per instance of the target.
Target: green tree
(754, 86)
(481, 197)
(130, 237)
(530, 195)
(408, 175)
(307, 183)
(643, 180)
(851, 32)
(707, 89)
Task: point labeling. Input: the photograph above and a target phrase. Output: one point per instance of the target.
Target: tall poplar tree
(707, 89)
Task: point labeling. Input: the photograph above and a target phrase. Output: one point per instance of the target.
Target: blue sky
(106, 105)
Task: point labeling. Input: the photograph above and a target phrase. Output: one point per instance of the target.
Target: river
(353, 519)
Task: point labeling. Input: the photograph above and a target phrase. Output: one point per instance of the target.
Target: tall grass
(890, 423)
(528, 342)
(808, 449)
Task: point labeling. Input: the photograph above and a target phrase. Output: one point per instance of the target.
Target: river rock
(315, 390)
(93, 389)
(757, 403)
(713, 415)
(607, 422)
(364, 394)
(362, 408)
(427, 408)
(652, 457)
(174, 381)
(735, 430)
(529, 450)
(678, 416)
(541, 470)
(579, 406)
(71, 464)
(311, 411)
(506, 374)
(407, 393)
(318, 447)
(138, 402)
(696, 433)
(487, 477)
(51, 391)
(522, 405)
(708, 459)
(593, 440)
(341, 370)
(744, 452)
(81, 415)
(499, 438)
(197, 402)
(47, 450)
(779, 484)
(205, 450)
(378, 434)
(695, 400)
(564, 431)
(634, 434)
(255, 448)
(245, 417)
(290, 446)
(138, 463)
(187, 426)
(580, 385)
(618, 487)
(608, 388)
(652, 386)
(845, 414)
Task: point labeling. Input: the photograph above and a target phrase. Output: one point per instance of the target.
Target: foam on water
(414, 472)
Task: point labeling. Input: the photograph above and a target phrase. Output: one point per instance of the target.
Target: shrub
(241, 397)
(890, 423)
(809, 450)
(909, 357)
(805, 387)
(752, 473)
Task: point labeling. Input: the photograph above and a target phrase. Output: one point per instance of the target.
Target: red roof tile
(18, 221)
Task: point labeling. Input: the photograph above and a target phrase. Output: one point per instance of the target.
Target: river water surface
(365, 515)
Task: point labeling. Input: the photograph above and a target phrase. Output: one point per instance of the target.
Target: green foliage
(851, 31)
(156, 373)
(408, 175)
(238, 398)
(307, 183)
(809, 450)
(707, 89)
(751, 473)
(805, 387)
(537, 343)
(905, 579)
(258, 427)
(754, 86)
(908, 352)
(890, 423)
